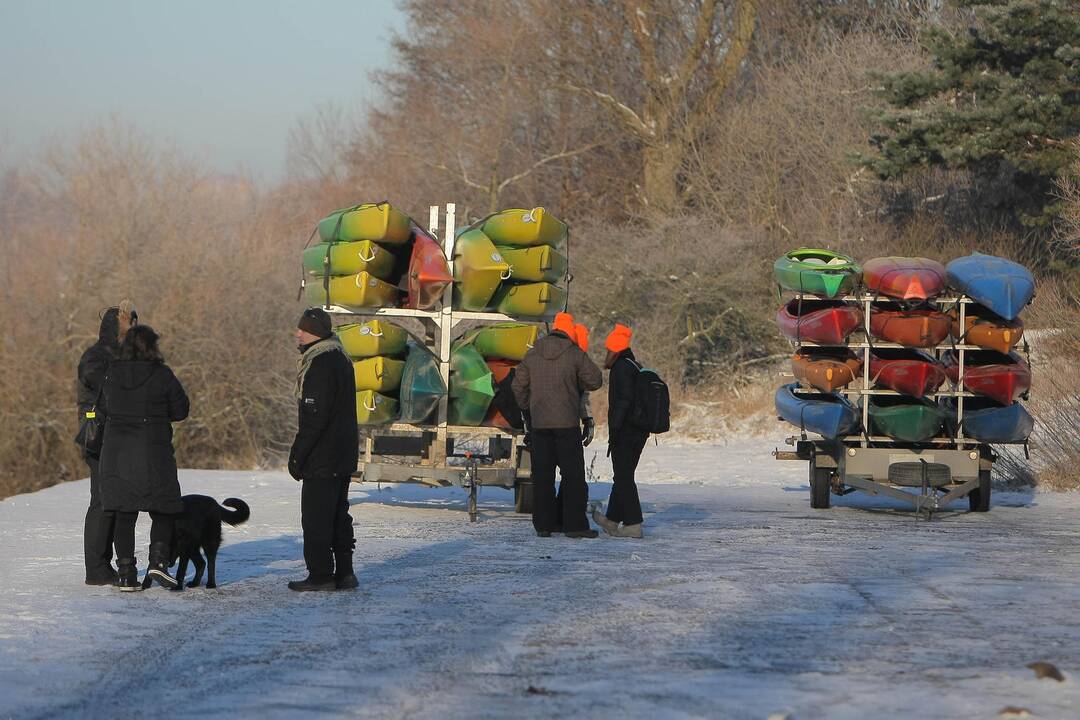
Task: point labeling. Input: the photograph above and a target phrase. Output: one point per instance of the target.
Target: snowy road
(741, 603)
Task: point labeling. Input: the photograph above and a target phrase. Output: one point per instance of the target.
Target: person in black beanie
(325, 453)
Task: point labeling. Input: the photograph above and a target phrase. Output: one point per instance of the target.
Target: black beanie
(317, 322)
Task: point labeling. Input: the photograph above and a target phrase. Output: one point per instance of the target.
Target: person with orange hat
(625, 440)
(548, 384)
(588, 425)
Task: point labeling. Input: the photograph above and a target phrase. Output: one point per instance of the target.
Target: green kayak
(905, 418)
(421, 386)
(373, 408)
(380, 222)
(478, 270)
(540, 263)
(529, 300)
(509, 341)
(349, 258)
(817, 272)
(471, 388)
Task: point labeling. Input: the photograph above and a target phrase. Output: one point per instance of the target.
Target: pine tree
(1002, 101)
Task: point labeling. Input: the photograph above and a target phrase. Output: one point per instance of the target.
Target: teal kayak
(421, 387)
(823, 273)
(471, 387)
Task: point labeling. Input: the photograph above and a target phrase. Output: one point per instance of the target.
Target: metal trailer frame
(425, 454)
(880, 465)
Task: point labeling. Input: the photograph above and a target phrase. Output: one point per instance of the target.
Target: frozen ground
(741, 603)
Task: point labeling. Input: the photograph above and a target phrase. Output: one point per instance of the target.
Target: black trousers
(324, 516)
(562, 449)
(97, 528)
(161, 530)
(623, 504)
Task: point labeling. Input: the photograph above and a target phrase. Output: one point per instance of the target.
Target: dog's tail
(240, 511)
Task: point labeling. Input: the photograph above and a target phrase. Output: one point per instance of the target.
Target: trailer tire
(523, 497)
(979, 499)
(820, 486)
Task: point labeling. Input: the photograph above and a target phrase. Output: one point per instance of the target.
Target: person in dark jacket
(141, 400)
(325, 453)
(93, 367)
(549, 384)
(625, 440)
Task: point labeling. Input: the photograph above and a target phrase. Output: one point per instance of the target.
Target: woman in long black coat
(141, 400)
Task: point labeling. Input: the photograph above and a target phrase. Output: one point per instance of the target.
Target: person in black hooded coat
(141, 400)
(93, 367)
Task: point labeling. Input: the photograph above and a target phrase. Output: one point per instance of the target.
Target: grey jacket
(550, 381)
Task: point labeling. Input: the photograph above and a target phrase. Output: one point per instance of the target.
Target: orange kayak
(429, 273)
(985, 329)
(904, 278)
(911, 328)
(827, 369)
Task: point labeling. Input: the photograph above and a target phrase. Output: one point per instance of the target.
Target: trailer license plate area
(909, 457)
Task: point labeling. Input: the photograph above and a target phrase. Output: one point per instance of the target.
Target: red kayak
(1003, 378)
(429, 274)
(920, 328)
(906, 371)
(500, 369)
(825, 322)
(904, 278)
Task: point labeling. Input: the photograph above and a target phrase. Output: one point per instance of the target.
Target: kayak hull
(348, 258)
(531, 300)
(509, 341)
(1002, 286)
(910, 328)
(906, 371)
(1002, 378)
(380, 222)
(818, 321)
(429, 273)
(362, 290)
(905, 419)
(373, 408)
(826, 369)
(381, 374)
(823, 273)
(986, 421)
(904, 278)
(471, 388)
(375, 337)
(422, 387)
(478, 270)
(520, 228)
(986, 330)
(828, 415)
(540, 263)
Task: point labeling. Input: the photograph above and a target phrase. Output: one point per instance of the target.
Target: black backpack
(651, 410)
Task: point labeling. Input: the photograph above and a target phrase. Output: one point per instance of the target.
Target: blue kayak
(826, 414)
(989, 422)
(1001, 285)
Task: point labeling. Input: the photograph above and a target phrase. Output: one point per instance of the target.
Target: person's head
(116, 321)
(141, 344)
(581, 337)
(127, 317)
(564, 323)
(314, 325)
(618, 342)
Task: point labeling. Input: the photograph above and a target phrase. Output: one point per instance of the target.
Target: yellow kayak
(478, 270)
(360, 290)
(349, 258)
(522, 228)
(509, 341)
(375, 409)
(380, 222)
(381, 374)
(535, 300)
(375, 337)
(540, 263)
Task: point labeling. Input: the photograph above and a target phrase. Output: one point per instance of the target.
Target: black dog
(197, 528)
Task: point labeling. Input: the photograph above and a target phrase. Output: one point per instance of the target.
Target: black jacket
(138, 468)
(622, 387)
(327, 441)
(94, 363)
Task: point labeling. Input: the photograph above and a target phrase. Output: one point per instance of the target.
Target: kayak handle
(528, 216)
(529, 345)
(369, 409)
(360, 254)
(372, 333)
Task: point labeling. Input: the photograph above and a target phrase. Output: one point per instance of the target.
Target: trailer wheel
(820, 486)
(979, 499)
(523, 497)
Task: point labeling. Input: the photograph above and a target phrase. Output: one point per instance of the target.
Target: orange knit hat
(564, 323)
(619, 339)
(581, 337)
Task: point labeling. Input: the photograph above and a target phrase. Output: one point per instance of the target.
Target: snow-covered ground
(741, 603)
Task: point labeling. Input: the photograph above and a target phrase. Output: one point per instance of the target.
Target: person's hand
(587, 432)
(527, 439)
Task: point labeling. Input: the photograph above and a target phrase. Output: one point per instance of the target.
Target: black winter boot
(158, 568)
(313, 583)
(105, 576)
(127, 577)
(344, 577)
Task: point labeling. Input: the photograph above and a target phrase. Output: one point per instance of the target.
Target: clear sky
(223, 79)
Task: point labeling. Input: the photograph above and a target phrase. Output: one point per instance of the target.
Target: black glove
(527, 439)
(587, 432)
(294, 469)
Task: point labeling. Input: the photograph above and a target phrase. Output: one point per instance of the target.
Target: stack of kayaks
(914, 383)
(377, 349)
(368, 255)
(502, 346)
(512, 262)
